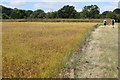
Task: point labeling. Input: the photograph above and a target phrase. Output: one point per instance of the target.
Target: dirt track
(99, 57)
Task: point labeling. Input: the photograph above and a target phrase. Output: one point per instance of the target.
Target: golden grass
(39, 49)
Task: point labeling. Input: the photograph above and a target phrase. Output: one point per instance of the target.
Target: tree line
(67, 11)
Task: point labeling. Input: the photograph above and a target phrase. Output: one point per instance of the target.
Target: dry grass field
(39, 49)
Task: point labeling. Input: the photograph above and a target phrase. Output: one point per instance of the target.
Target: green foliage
(111, 15)
(17, 14)
(67, 12)
(52, 14)
(117, 12)
(4, 16)
(118, 18)
(91, 11)
(0, 15)
(28, 13)
(103, 15)
(38, 14)
(108, 14)
(6, 11)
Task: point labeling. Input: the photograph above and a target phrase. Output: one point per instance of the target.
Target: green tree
(28, 13)
(111, 15)
(22, 14)
(118, 18)
(103, 15)
(15, 14)
(52, 15)
(18, 14)
(4, 16)
(38, 14)
(91, 11)
(6, 10)
(117, 13)
(67, 12)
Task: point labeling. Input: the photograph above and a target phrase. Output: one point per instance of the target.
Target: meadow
(40, 49)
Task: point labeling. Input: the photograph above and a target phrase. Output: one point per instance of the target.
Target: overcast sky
(53, 5)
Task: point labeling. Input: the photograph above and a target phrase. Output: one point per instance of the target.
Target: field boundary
(52, 20)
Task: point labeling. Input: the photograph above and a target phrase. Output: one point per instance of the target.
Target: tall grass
(39, 49)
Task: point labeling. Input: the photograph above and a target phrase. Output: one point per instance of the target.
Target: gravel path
(99, 56)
